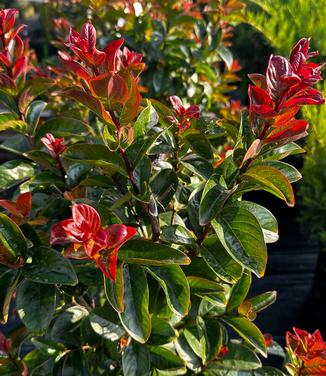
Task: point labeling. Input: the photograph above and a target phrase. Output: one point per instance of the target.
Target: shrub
(127, 244)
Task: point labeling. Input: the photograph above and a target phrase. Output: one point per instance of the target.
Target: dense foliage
(127, 244)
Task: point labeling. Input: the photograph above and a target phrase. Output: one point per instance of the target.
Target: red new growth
(54, 145)
(277, 97)
(20, 208)
(309, 350)
(89, 240)
(184, 114)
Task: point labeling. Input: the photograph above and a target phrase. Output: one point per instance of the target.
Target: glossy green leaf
(210, 337)
(135, 360)
(178, 234)
(61, 127)
(140, 147)
(219, 260)
(136, 318)
(239, 357)
(265, 218)
(164, 359)
(239, 292)
(12, 238)
(147, 119)
(114, 290)
(66, 322)
(225, 55)
(13, 173)
(214, 197)
(33, 114)
(175, 286)
(248, 331)
(198, 166)
(97, 156)
(268, 371)
(162, 332)
(105, 328)
(185, 352)
(269, 179)
(289, 171)
(241, 235)
(149, 253)
(284, 151)
(262, 301)
(204, 285)
(35, 304)
(8, 282)
(164, 185)
(10, 121)
(199, 144)
(50, 267)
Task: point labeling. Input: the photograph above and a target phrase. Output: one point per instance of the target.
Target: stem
(62, 170)
(153, 218)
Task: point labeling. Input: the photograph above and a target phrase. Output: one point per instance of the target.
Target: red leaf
(111, 51)
(88, 33)
(177, 105)
(86, 218)
(24, 203)
(108, 263)
(59, 234)
(89, 101)
(73, 66)
(117, 235)
(292, 131)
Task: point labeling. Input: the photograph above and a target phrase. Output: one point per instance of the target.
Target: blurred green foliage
(282, 23)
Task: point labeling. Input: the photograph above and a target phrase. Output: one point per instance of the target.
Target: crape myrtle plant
(127, 245)
(186, 44)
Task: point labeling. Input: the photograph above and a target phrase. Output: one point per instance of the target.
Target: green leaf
(175, 286)
(35, 304)
(241, 235)
(33, 114)
(214, 197)
(61, 127)
(185, 352)
(138, 149)
(210, 337)
(50, 267)
(239, 357)
(164, 185)
(162, 332)
(204, 285)
(38, 358)
(97, 156)
(269, 179)
(12, 238)
(226, 56)
(114, 290)
(263, 301)
(66, 322)
(284, 151)
(289, 171)
(248, 331)
(8, 282)
(178, 234)
(198, 166)
(11, 121)
(199, 144)
(147, 119)
(164, 359)
(268, 371)
(147, 252)
(135, 360)
(13, 173)
(219, 260)
(136, 318)
(239, 292)
(265, 218)
(105, 328)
